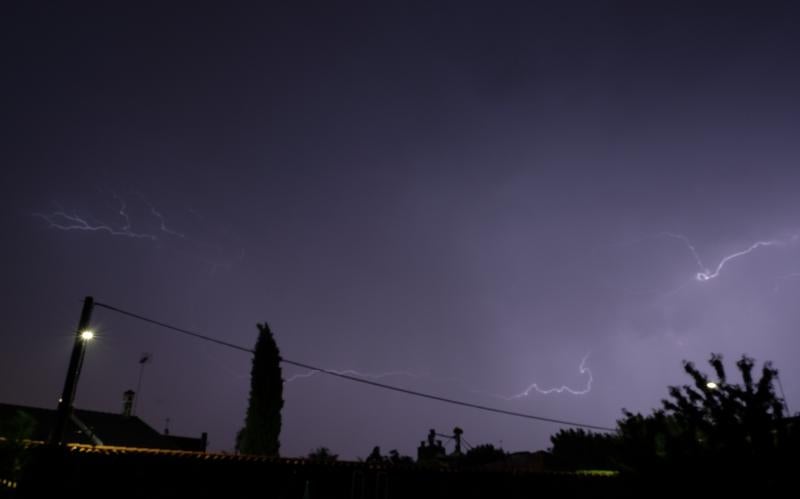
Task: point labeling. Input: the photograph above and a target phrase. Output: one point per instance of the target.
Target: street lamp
(711, 385)
(82, 336)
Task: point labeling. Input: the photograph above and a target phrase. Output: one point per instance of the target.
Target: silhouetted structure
(101, 428)
(457, 432)
(127, 402)
(431, 452)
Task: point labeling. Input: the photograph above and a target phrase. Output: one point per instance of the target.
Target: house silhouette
(100, 428)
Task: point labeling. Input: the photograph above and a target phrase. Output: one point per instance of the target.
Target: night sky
(463, 198)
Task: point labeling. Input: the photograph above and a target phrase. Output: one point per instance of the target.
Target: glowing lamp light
(711, 385)
(87, 335)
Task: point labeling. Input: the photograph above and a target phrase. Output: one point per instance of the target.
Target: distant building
(102, 428)
(433, 452)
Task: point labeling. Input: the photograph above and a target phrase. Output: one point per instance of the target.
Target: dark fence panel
(106, 473)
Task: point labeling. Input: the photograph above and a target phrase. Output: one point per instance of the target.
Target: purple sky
(476, 194)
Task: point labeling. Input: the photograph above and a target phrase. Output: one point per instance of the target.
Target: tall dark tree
(262, 426)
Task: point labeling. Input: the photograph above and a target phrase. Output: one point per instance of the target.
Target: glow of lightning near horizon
(534, 387)
(351, 372)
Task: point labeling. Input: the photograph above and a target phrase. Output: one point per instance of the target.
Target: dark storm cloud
(476, 193)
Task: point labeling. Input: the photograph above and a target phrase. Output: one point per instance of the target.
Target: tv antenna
(144, 359)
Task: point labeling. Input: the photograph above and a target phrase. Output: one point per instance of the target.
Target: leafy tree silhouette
(322, 455)
(711, 424)
(14, 432)
(375, 456)
(583, 450)
(394, 457)
(262, 427)
(484, 454)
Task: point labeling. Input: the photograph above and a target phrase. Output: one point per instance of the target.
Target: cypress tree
(262, 426)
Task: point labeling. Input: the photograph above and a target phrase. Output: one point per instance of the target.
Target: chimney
(127, 403)
(457, 437)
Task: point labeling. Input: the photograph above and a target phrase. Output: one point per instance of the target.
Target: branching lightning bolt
(527, 392)
(534, 387)
(164, 227)
(64, 221)
(161, 219)
(695, 254)
(72, 221)
(707, 276)
(122, 211)
(150, 224)
(705, 273)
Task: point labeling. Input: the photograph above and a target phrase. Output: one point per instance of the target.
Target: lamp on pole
(82, 336)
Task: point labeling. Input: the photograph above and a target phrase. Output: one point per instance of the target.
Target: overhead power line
(445, 399)
(174, 328)
(357, 379)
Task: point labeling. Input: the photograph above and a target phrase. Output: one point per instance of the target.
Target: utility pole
(82, 336)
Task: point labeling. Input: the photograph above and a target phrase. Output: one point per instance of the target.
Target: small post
(73, 372)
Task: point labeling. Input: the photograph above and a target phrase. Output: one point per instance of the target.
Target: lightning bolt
(534, 387)
(695, 254)
(161, 219)
(62, 220)
(705, 273)
(410, 374)
(122, 211)
(707, 276)
(351, 372)
(155, 227)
